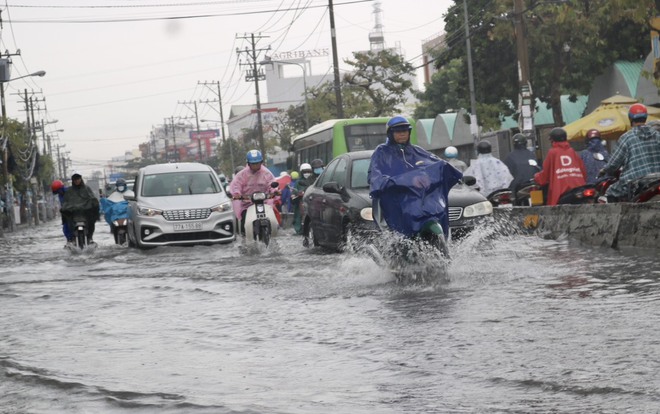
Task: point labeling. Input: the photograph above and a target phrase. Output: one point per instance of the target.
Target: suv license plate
(187, 226)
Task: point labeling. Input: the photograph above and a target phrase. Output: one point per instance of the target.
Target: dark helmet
(222, 178)
(483, 147)
(593, 133)
(397, 123)
(254, 157)
(56, 186)
(317, 163)
(238, 169)
(519, 141)
(637, 113)
(121, 185)
(558, 135)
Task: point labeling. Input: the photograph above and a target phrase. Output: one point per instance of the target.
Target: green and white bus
(338, 136)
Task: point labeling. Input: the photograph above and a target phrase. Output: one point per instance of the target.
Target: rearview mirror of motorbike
(274, 184)
(469, 180)
(598, 156)
(128, 195)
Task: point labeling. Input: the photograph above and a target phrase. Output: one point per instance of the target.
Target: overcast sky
(115, 68)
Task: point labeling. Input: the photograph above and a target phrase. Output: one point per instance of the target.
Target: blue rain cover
(412, 186)
(114, 210)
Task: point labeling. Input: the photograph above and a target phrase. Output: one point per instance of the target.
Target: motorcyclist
(521, 162)
(301, 185)
(595, 156)
(254, 178)
(563, 168)
(637, 154)
(114, 206)
(79, 197)
(491, 173)
(409, 185)
(317, 167)
(58, 188)
(451, 153)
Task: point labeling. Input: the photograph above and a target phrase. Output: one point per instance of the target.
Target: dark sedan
(338, 203)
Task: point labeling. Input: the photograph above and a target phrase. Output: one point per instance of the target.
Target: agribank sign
(300, 54)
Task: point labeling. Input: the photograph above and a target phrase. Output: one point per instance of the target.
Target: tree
(378, 85)
(570, 44)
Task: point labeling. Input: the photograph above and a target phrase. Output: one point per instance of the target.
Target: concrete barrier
(619, 226)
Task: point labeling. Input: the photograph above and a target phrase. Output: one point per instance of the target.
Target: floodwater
(524, 325)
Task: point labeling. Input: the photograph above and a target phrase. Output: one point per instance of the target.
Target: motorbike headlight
(146, 211)
(367, 214)
(479, 209)
(220, 208)
(258, 196)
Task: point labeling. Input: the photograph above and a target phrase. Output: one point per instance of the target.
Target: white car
(178, 204)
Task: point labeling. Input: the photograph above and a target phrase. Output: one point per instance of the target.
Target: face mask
(121, 188)
(318, 171)
(307, 175)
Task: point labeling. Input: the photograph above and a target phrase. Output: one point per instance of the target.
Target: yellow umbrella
(610, 118)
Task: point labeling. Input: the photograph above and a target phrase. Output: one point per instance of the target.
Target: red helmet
(637, 112)
(56, 186)
(593, 133)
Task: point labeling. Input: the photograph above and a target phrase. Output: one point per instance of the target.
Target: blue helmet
(398, 122)
(451, 152)
(254, 157)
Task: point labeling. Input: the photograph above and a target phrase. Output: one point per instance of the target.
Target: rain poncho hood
(491, 173)
(411, 187)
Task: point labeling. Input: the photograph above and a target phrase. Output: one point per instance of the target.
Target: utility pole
(526, 104)
(474, 125)
(253, 74)
(199, 138)
(222, 118)
(335, 62)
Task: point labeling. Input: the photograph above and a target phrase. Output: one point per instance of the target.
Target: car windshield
(359, 173)
(179, 183)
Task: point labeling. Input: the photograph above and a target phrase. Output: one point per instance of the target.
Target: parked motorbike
(115, 211)
(261, 219)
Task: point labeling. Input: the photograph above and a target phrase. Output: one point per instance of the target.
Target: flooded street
(524, 325)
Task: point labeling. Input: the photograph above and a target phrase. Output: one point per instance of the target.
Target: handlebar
(245, 197)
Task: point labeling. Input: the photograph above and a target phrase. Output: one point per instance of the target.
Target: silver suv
(178, 204)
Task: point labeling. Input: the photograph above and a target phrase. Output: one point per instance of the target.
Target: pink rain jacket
(247, 182)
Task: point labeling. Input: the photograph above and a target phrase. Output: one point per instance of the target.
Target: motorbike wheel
(264, 234)
(80, 237)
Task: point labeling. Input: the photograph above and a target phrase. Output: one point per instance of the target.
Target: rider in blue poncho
(408, 184)
(114, 206)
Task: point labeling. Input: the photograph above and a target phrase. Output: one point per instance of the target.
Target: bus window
(365, 136)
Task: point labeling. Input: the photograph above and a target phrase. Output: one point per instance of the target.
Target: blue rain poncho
(113, 210)
(411, 186)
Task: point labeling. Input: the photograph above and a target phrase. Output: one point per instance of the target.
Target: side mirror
(469, 180)
(129, 195)
(598, 156)
(332, 187)
(274, 184)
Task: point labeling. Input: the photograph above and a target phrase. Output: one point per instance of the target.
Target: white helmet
(451, 152)
(305, 167)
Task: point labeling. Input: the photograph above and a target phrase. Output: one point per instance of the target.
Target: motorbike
(528, 193)
(423, 256)
(261, 219)
(501, 198)
(584, 194)
(642, 190)
(115, 211)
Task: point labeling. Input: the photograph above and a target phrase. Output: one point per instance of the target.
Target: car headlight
(146, 211)
(367, 214)
(220, 208)
(479, 209)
